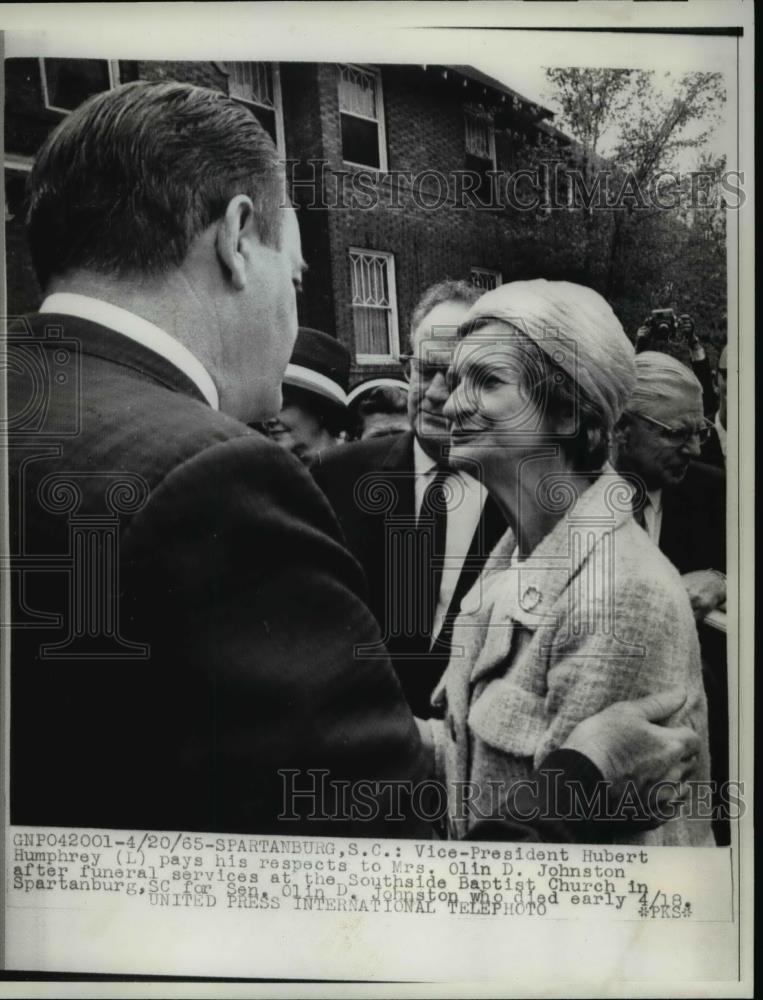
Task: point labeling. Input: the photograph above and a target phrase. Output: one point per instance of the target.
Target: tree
(590, 99)
(646, 124)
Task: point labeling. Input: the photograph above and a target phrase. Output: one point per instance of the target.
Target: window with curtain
(480, 151)
(374, 305)
(486, 279)
(362, 117)
(258, 85)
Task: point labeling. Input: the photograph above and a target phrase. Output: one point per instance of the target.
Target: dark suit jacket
(693, 533)
(704, 376)
(712, 453)
(186, 619)
(693, 537)
(370, 485)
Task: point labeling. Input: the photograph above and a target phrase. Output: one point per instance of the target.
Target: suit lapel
(399, 470)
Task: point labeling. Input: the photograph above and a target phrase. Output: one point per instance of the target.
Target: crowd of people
(500, 578)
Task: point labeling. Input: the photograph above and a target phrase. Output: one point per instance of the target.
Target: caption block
(170, 871)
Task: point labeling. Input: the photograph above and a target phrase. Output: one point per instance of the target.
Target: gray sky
(531, 82)
(518, 59)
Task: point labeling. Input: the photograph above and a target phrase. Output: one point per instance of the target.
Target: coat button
(530, 599)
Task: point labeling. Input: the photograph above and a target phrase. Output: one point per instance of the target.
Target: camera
(662, 324)
(659, 328)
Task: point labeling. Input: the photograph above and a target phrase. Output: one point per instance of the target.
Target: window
(258, 85)
(480, 141)
(480, 151)
(66, 83)
(361, 111)
(374, 306)
(484, 278)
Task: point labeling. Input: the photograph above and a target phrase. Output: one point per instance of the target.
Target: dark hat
(320, 365)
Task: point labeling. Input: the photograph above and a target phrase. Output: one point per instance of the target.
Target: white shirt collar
(655, 499)
(423, 464)
(139, 330)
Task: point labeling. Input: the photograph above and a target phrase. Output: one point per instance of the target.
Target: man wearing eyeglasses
(682, 506)
(424, 550)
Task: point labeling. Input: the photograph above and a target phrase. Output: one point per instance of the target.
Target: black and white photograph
(376, 549)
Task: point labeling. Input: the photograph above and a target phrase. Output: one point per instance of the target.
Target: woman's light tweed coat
(595, 614)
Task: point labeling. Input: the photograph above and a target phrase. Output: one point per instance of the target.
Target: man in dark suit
(186, 623)
(683, 510)
(186, 617)
(421, 552)
(683, 501)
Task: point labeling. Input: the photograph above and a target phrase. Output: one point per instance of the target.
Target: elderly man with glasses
(682, 505)
(420, 529)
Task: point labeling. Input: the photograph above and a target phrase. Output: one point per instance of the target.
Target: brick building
(394, 170)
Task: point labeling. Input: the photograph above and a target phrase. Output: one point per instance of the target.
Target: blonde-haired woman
(575, 609)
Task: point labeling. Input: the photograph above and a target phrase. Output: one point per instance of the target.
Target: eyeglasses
(426, 369)
(680, 436)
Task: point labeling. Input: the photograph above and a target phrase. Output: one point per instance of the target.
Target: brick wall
(304, 140)
(424, 123)
(27, 124)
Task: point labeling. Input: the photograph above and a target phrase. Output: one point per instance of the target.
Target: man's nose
(437, 387)
(455, 407)
(692, 448)
(448, 411)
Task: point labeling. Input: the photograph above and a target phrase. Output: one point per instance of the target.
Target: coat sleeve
(623, 633)
(252, 605)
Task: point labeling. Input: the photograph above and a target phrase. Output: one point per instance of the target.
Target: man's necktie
(433, 530)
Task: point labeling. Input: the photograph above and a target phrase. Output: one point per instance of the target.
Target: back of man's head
(128, 180)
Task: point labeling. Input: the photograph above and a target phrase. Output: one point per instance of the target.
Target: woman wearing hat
(576, 608)
(313, 416)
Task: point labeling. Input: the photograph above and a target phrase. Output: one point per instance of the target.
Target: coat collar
(527, 592)
(399, 458)
(99, 341)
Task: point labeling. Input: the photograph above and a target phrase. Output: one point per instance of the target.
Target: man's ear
(234, 230)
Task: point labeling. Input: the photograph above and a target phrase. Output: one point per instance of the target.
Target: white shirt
(465, 502)
(137, 329)
(653, 515)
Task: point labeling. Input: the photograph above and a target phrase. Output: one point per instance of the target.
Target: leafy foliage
(647, 240)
